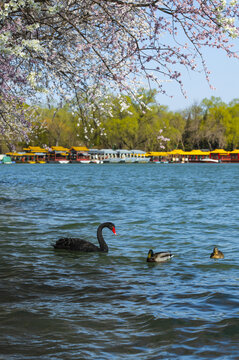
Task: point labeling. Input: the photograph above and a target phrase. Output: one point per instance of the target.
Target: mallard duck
(216, 254)
(159, 256)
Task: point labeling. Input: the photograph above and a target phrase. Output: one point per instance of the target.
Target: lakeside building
(79, 154)
(83, 155)
(58, 154)
(235, 155)
(30, 155)
(109, 156)
(220, 155)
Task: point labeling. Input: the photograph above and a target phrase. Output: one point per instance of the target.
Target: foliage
(212, 124)
(58, 127)
(208, 125)
(76, 47)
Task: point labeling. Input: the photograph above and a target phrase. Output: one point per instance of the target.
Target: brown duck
(216, 254)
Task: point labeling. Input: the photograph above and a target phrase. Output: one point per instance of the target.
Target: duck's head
(215, 251)
(150, 254)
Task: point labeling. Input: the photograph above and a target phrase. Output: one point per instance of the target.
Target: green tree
(232, 131)
(61, 127)
(138, 126)
(191, 137)
(213, 124)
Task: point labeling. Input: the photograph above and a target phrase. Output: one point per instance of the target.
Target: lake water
(67, 305)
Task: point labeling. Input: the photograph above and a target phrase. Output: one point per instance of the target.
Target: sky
(224, 77)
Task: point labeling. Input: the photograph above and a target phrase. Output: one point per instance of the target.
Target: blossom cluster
(82, 48)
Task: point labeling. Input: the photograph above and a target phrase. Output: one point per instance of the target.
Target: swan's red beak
(114, 230)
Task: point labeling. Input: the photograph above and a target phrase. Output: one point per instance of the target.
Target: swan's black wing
(75, 244)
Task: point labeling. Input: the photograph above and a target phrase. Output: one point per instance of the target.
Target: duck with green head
(159, 256)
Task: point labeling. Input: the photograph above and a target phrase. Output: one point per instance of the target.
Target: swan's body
(77, 244)
(216, 254)
(159, 256)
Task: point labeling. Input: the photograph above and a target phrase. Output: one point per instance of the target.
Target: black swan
(83, 245)
(159, 256)
(216, 254)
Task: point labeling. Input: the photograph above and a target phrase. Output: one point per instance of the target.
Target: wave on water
(68, 305)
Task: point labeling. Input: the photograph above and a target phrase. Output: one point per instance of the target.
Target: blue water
(66, 305)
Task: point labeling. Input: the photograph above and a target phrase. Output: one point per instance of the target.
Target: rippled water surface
(66, 305)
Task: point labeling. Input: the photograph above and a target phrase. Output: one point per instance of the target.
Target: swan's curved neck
(103, 245)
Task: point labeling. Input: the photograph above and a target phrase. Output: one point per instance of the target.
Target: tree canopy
(209, 125)
(68, 47)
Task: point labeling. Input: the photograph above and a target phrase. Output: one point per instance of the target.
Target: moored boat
(83, 155)
(208, 160)
(6, 160)
(63, 161)
(79, 154)
(84, 161)
(139, 156)
(96, 161)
